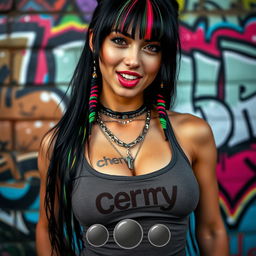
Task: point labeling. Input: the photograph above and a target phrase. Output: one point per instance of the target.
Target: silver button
(128, 233)
(97, 235)
(159, 235)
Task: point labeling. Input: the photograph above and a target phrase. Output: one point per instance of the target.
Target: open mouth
(128, 80)
(128, 77)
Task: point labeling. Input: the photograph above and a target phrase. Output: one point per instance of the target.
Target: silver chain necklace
(120, 142)
(129, 159)
(129, 163)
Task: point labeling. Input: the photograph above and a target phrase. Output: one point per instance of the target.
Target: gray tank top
(163, 198)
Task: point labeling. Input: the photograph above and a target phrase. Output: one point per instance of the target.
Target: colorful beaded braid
(93, 100)
(161, 108)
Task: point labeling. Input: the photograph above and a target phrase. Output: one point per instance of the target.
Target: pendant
(130, 160)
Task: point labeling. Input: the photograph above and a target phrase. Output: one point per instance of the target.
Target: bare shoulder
(47, 142)
(45, 151)
(194, 135)
(190, 126)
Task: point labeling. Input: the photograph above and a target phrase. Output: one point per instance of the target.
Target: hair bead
(93, 99)
(161, 108)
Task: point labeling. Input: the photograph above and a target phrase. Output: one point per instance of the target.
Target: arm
(210, 229)
(43, 245)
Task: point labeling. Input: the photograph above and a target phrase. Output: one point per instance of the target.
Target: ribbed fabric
(166, 196)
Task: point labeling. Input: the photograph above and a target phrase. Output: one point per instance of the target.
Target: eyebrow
(130, 36)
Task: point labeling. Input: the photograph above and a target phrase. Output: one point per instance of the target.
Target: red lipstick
(126, 82)
(130, 73)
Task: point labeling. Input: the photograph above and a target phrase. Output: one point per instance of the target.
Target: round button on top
(128, 233)
(97, 235)
(159, 235)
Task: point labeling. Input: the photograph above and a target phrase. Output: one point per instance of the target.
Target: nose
(132, 58)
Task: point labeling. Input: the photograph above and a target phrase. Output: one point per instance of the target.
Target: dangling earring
(161, 108)
(93, 100)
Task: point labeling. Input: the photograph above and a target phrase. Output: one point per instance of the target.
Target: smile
(128, 79)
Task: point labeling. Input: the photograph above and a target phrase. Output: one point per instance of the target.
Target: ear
(90, 40)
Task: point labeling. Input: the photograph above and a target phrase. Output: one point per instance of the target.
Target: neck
(121, 104)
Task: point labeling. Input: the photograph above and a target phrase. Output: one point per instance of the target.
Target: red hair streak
(150, 18)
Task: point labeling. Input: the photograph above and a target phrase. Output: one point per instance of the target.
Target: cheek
(152, 65)
(109, 55)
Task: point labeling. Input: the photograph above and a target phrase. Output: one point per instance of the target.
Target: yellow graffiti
(248, 4)
(233, 215)
(181, 4)
(69, 24)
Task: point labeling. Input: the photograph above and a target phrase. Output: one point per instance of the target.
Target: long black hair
(71, 132)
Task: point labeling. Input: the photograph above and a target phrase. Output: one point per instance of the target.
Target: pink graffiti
(196, 40)
(234, 173)
(47, 22)
(42, 69)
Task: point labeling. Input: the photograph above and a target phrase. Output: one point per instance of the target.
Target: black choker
(122, 115)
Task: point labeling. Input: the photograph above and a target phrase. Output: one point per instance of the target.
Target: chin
(128, 92)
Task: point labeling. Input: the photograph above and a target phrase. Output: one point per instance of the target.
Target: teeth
(129, 77)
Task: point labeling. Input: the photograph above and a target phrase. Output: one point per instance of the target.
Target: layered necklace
(125, 118)
(121, 116)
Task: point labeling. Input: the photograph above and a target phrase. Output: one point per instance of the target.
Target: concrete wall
(40, 42)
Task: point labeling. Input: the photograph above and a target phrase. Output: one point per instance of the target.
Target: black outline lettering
(171, 201)
(130, 199)
(133, 196)
(98, 203)
(154, 193)
(118, 200)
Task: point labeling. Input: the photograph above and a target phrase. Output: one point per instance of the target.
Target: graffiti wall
(217, 82)
(40, 42)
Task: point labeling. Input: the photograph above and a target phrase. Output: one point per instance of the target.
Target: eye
(153, 48)
(119, 40)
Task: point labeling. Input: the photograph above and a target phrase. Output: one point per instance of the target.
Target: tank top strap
(173, 140)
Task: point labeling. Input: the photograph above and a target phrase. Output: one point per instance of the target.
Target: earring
(93, 100)
(161, 108)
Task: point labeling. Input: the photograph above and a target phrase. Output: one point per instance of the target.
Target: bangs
(144, 15)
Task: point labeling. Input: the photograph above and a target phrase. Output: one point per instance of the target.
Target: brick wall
(40, 42)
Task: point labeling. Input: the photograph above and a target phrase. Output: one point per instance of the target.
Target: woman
(120, 173)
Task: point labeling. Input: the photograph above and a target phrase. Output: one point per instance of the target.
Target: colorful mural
(40, 43)
(217, 83)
